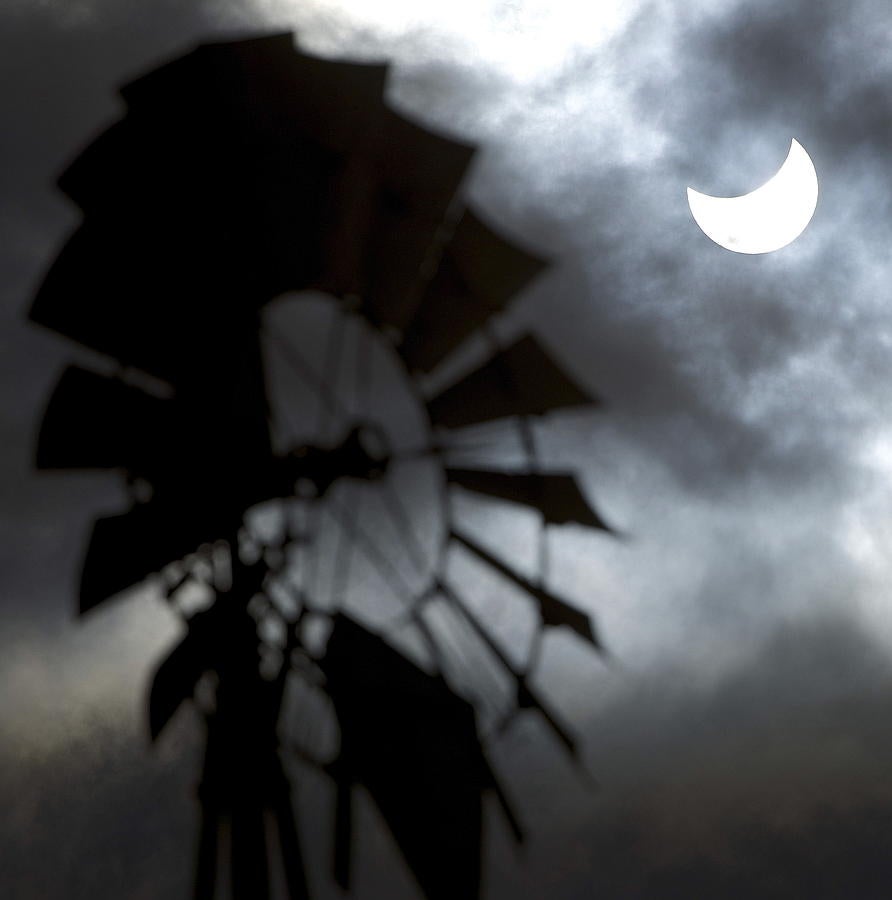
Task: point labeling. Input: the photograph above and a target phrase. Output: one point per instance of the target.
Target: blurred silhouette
(242, 171)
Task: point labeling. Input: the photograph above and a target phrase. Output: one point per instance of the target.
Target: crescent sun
(767, 218)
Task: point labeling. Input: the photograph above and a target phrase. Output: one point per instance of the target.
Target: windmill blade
(392, 291)
(122, 551)
(82, 298)
(479, 272)
(93, 421)
(420, 172)
(260, 91)
(245, 140)
(507, 809)
(165, 316)
(125, 549)
(553, 611)
(273, 90)
(96, 421)
(333, 189)
(526, 698)
(490, 264)
(423, 167)
(331, 100)
(89, 179)
(521, 380)
(353, 199)
(297, 123)
(555, 495)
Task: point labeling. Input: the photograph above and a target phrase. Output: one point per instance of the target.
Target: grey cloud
(766, 782)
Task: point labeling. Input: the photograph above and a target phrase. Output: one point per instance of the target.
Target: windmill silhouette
(243, 171)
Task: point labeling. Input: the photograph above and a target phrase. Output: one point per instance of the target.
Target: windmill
(243, 172)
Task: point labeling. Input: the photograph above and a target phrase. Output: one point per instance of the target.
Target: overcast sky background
(741, 736)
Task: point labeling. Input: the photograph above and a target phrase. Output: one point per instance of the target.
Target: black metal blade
(125, 549)
(556, 495)
(94, 421)
(527, 699)
(553, 610)
(419, 172)
(479, 272)
(521, 380)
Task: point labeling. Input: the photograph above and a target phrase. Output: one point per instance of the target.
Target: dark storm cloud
(800, 62)
(105, 821)
(770, 781)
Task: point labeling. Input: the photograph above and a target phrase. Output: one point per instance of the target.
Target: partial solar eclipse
(767, 218)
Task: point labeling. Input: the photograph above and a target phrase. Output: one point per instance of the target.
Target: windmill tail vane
(240, 172)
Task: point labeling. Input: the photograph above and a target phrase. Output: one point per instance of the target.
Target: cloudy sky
(739, 734)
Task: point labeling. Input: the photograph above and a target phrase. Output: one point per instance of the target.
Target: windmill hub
(364, 455)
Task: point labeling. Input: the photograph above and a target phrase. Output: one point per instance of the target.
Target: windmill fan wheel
(277, 268)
